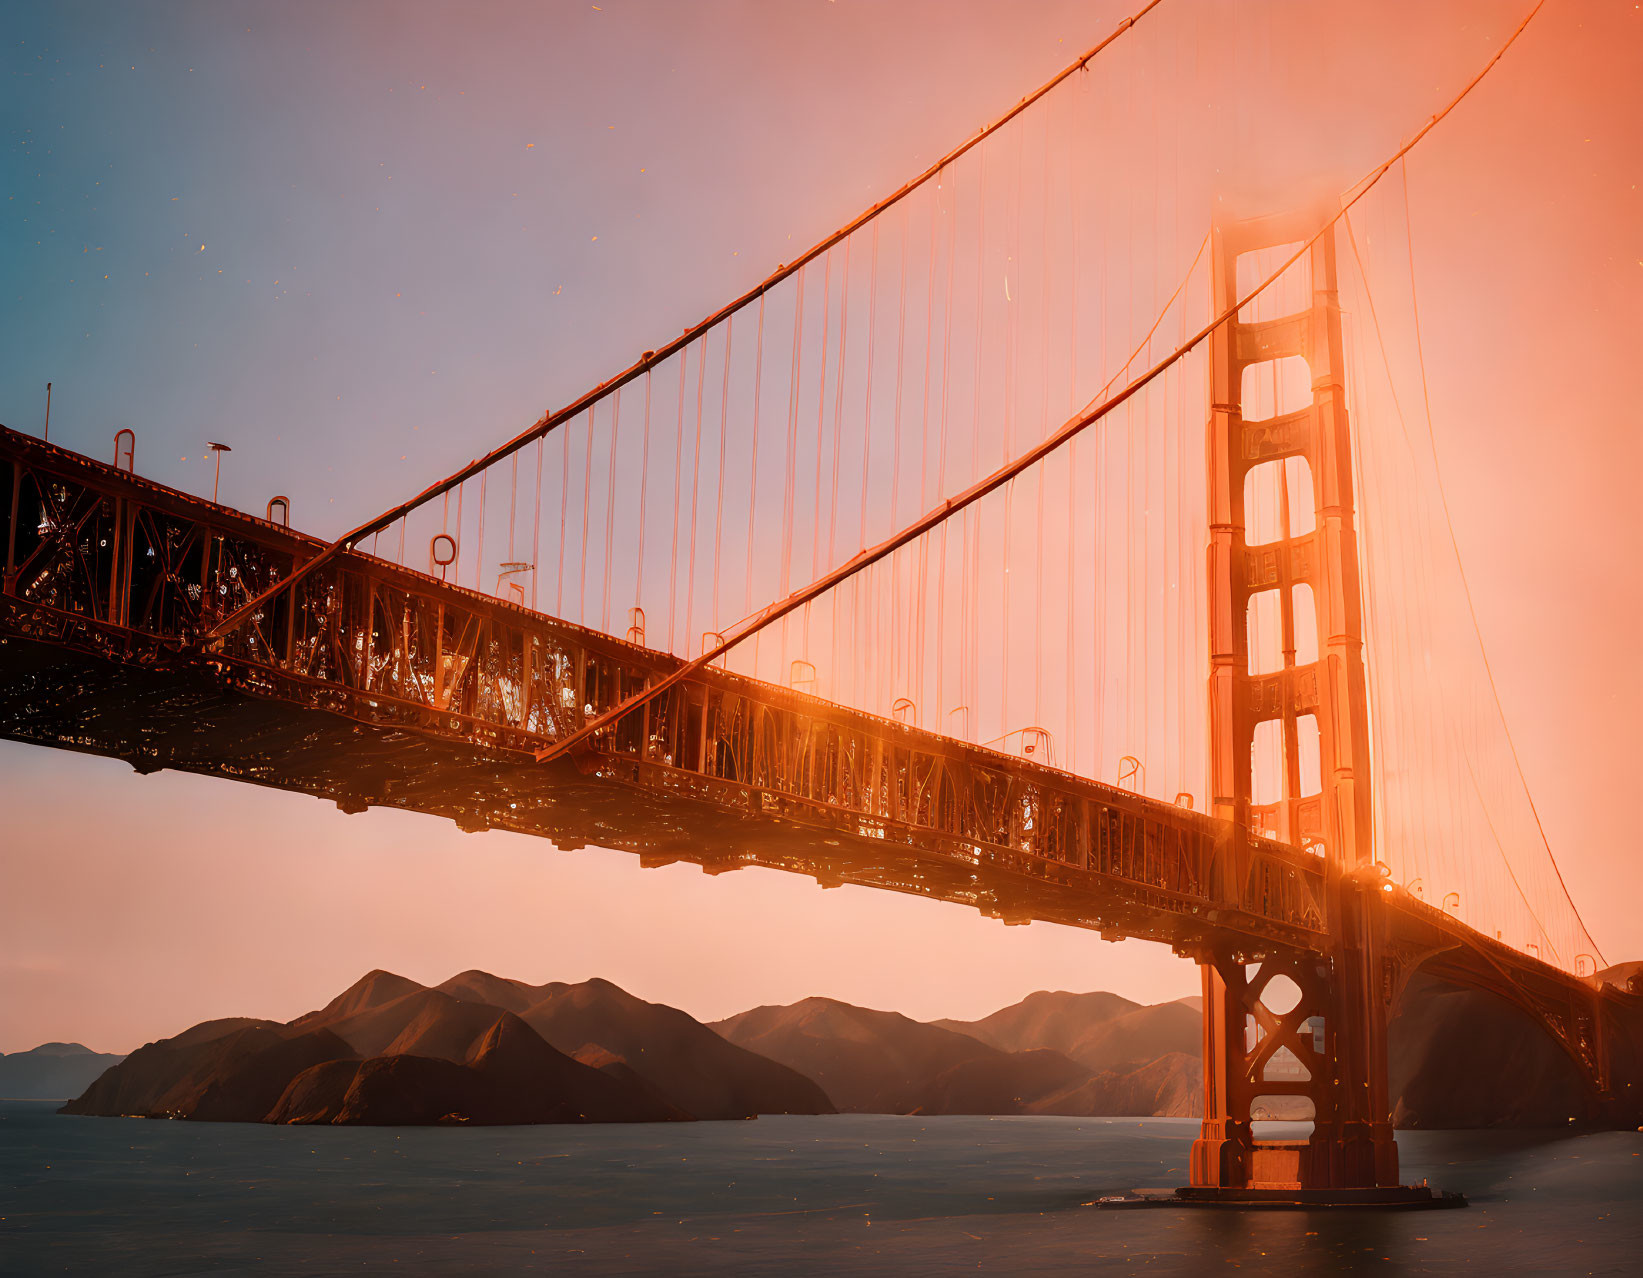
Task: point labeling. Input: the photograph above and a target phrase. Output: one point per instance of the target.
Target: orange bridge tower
(1289, 731)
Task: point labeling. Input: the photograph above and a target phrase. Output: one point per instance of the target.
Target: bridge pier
(1290, 1031)
(1282, 1035)
(1252, 1053)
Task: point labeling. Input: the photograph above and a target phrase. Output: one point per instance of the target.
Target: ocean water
(852, 1194)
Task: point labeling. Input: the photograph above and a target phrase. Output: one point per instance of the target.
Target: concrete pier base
(1379, 1198)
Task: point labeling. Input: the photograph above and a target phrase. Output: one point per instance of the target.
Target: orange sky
(134, 906)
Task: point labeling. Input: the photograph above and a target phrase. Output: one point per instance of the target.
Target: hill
(1456, 1057)
(51, 1071)
(509, 1075)
(1102, 1031)
(1463, 1058)
(882, 1062)
(480, 1049)
(218, 1071)
(385, 1050)
(676, 1054)
(1170, 1087)
(388, 1050)
(865, 1060)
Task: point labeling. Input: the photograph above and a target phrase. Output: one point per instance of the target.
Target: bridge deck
(382, 686)
(379, 685)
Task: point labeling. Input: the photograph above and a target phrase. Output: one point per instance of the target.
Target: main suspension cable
(650, 359)
(1032, 456)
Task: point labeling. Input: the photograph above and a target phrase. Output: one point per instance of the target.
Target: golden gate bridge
(910, 568)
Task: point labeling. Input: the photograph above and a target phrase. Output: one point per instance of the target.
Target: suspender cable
(753, 470)
(1101, 585)
(456, 576)
(1456, 746)
(678, 476)
(821, 419)
(867, 396)
(610, 509)
(1044, 425)
(861, 637)
(1466, 589)
(644, 485)
(695, 489)
(1012, 298)
(790, 457)
(479, 544)
(901, 363)
(838, 408)
(940, 705)
(1408, 696)
(929, 351)
(1133, 694)
(444, 527)
(981, 488)
(564, 521)
(1071, 689)
(788, 494)
(970, 655)
(553, 419)
(923, 596)
(1185, 649)
(536, 526)
(719, 485)
(513, 501)
(587, 503)
(835, 672)
(1151, 527)
(895, 453)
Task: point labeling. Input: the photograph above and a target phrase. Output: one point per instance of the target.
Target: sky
(365, 242)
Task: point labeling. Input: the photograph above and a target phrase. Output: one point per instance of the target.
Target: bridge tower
(1283, 550)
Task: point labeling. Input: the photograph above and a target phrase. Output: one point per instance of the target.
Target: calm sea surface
(851, 1194)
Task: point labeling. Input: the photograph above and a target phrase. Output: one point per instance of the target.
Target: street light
(512, 570)
(219, 449)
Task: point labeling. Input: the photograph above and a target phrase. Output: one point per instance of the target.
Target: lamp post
(219, 449)
(511, 570)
